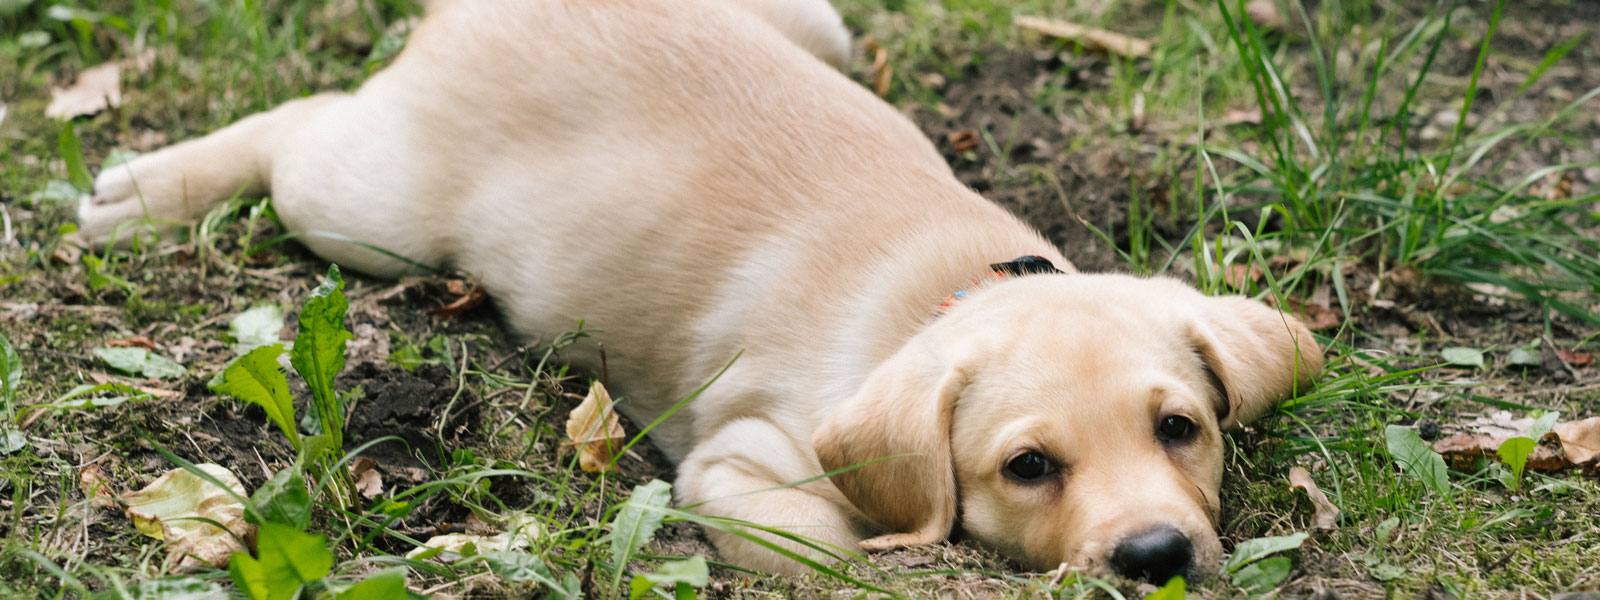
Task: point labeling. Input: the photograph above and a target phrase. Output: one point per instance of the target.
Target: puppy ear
(1255, 356)
(899, 421)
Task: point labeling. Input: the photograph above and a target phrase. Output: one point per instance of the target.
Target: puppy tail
(171, 187)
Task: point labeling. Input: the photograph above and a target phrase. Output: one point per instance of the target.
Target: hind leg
(179, 184)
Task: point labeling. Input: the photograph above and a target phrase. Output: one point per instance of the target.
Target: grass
(1339, 193)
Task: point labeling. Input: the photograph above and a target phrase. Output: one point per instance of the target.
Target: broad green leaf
(692, 572)
(54, 191)
(637, 522)
(1524, 357)
(256, 378)
(284, 499)
(255, 328)
(1463, 357)
(1417, 459)
(318, 354)
(249, 577)
(1263, 575)
(1250, 551)
(1173, 590)
(387, 584)
(141, 362)
(1514, 453)
(518, 566)
(1381, 533)
(289, 558)
(1543, 424)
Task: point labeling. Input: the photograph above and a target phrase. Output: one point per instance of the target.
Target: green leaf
(256, 378)
(1417, 459)
(1524, 357)
(638, 520)
(1173, 590)
(1263, 575)
(182, 588)
(141, 362)
(283, 499)
(72, 154)
(54, 191)
(255, 328)
(1543, 424)
(518, 566)
(692, 572)
(75, 398)
(249, 577)
(318, 354)
(387, 584)
(1250, 551)
(1463, 357)
(289, 558)
(1514, 453)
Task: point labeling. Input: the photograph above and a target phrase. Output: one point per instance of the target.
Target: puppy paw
(123, 195)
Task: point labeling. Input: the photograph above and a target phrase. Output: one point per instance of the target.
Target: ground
(1413, 246)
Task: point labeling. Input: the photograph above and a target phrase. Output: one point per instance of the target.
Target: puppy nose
(1155, 554)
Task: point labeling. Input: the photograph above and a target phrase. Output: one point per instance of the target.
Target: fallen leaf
(256, 327)
(179, 506)
(133, 342)
(962, 141)
(468, 298)
(1463, 357)
(1576, 359)
(593, 427)
(1580, 440)
(519, 535)
(96, 89)
(141, 362)
(1239, 116)
(882, 73)
(92, 482)
(101, 378)
(1098, 40)
(1237, 275)
(1326, 515)
(368, 480)
(1463, 450)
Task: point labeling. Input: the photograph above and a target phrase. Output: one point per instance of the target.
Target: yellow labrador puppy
(689, 178)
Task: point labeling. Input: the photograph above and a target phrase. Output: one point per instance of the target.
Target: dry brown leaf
(1463, 450)
(882, 73)
(962, 141)
(133, 342)
(1326, 515)
(594, 428)
(94, 485)
(1098, 40)
(368, 480)
(1580, 439)
(1576, 359)
(1236, 275)
(1315, 316)
(97, 88)
(1239, 116)
(469, 297)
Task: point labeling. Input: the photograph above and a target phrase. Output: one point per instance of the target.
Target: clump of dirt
(409, 405)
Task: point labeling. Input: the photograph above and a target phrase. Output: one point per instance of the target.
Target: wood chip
(1097, 40)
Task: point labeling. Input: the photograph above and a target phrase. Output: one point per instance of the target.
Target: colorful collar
(1025, 265)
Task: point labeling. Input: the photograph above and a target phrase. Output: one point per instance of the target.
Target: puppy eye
(1175, 428)
(1029, 466)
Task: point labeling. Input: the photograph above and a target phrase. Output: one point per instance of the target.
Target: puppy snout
(1155, 554)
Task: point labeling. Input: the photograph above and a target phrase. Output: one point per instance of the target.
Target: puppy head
(1066, 419)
